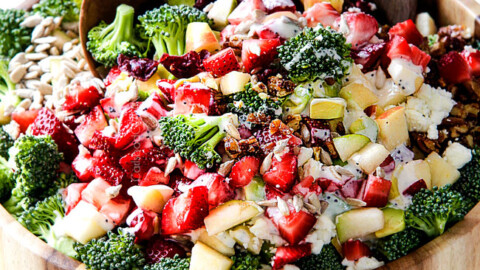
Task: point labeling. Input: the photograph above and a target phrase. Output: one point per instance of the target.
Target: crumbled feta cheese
(290, 267)
(322, 234)
(312, 168)
(427, 108)
(364, 263)
(263, 228)
(457, 155)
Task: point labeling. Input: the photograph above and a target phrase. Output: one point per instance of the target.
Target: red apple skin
(388, 165)
(389, 112)
(376, 191)
(355, 249)
(415, 187)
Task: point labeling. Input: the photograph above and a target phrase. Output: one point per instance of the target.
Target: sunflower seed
(31, 75)
(45, 89)
(32, 21)
(297, 203)
(313, 200)
(36, 56)
(171, 164)
(226, 167)
(25, 104)
(355, 202)
(42, 47)
(18, 73)
(30, 49)
(47, 21)
(18, 59)
(42, 40)
(282, 206)
(268, 203)
(266, 164)
(24, 93)
(37, 32)
(113, 191)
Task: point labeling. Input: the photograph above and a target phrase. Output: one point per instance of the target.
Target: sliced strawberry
(112, 75)
(453, 68)
(218, 189)
(282, 172)
(94, 121)
(276, 131)
(193, 98)
(362, 27)
(131, 127)
(82, 165)
(328, 185)
(398, 48)
(158, 248)
(419, 57)
(117, 209)
(191, 170)
(355, 249)
(47, 123)
(110, 108)
(154, 176)
(322, 13)
(72, 195)
(100, 141)
(295, 226)
(407, 30)
(177, 182)
(106, 167)
(95, 192)
(415, 187)
(222, 62)
(273, 193)
(472, 57)
(185, 212)
(307, 186)
(167, 88)
(24, 119)
(289, 254)
(376, 191)
(227, 32)
(273, 6)
(245, 10)
(153, 106)
(144, 223)
(137, 163)
(282, 28)
(79, 98)
(367, 55)
(243, 171)
(259, 52)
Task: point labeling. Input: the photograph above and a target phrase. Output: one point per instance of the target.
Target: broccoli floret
(399, 244)
(13, 37)
(315, 53)
(246, 261)
(68, 9)
(36, 161)
(175, 263)
(6, 180)
(166, 27)
(6, 142)
(432, 210)
(113, 251)
(41, 218)
(327, 259)
(7, 96)
(107, 41)
(195, 136)
(469, 183)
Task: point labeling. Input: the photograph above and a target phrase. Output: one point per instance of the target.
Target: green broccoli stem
(212, 142)
(122, 25)
(425, 225)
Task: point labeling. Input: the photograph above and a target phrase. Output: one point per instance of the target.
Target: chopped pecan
(259, 118)
(293, 121)
(280, 87)
(237, 148)
(278, 126)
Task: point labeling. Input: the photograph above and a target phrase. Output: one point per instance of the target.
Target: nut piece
(266, 164)
(226, 167)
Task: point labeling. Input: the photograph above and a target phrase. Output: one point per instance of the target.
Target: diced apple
(255, 190)
(206, 258)
(365, 126)
(234, 82)
(336, 4)
(85, 223)
(406, 75)
(230, 214)
(425, 24)
(222, 243)
(370, 157)
(394, 222)
(349, 144)
(358, 223)
(150, 85)
(280, 14)
(152, 198)
(442, 172)
(220, 11)
(246, 239)
(199, 36)
(407, 174)
(393, 128)
(358, 94)
(327, 108)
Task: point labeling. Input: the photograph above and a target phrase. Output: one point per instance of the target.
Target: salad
(253, 135)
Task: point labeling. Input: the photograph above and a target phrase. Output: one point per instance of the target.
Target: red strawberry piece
(193, 98)
(99, 141)
(362, 27)
(415, 187)
(273, 6)
(282, 172)
(289, 254)
(47, 123)
(95, 192)
(218, 189)
(398, 48)
(177, 182)
(112, 75)
(473, 60)
(94, 121)
(137, 163)
(221, 63)
(269, 136)
(191, 170)
(283, 28)
(306, 187)
(106, 166)
(376, 191)
(152, 106)
(154, 176)
(453, 68)
(82, 165)
(419, 57)
(79, 98)
(367, 55)
(273, 193)
(110, 108)
(227, 32)
(245, 10)
(131, 127)
(158, 248)
(322, 13)
(25, 119)
(145, 224)
(243, 171)
(293, 227)
(407, 30)
(186, 212)
(355, 249)
(328, 185)
(117, 209)
(167, 88)
(72, 195)
(259, 52)
(351, 188)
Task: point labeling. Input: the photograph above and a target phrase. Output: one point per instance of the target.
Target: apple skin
(151, 198)
(357, 94)
(358, 223)
(414, 188)
(393, 128)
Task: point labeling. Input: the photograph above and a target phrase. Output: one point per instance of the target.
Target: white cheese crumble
(263, 228)
(322, 234)
(457, 155)
(364, 263)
